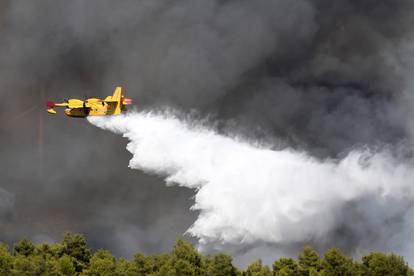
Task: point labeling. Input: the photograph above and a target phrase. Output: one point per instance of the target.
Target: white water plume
(247, 194)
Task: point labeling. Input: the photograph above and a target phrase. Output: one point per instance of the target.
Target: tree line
(72, 256)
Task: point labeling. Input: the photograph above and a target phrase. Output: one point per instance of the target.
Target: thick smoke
(6, 206)
(249, 195)
(322, 77)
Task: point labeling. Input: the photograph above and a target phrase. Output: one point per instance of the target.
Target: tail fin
(117, 94)
(116, 97)
(115, 100)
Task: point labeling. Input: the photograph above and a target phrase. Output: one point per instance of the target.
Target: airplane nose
(50, 104)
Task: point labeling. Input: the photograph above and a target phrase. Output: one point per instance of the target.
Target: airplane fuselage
(95, 107)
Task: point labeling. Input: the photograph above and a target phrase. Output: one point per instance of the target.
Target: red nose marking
(50, 104)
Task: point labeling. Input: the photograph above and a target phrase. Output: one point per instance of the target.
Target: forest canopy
(72, 256)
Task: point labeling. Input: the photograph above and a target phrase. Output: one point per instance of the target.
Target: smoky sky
(319, 76)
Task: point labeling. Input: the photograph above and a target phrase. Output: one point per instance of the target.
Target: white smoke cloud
(249, 194)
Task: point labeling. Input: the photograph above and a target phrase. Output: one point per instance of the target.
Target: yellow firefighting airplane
(112, 105)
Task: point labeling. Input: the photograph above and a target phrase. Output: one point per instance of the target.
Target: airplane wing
(68, 104)
(72, 103)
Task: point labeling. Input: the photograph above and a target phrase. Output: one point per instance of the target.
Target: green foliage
(221, 265)
(72, 256)
(378, 263)
(185, 251)
(74, 245)
(152, 265)
(309, 261)
(143, 265)
(24, 247)
(126, 268)
(64, 265)
(26, 265)
(6, 260)
(102, 263)
(185, 259)
(45, 250)
(286, 267)
(336, 263)
(258, 269)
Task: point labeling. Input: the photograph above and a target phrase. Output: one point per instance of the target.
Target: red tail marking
(127, 101)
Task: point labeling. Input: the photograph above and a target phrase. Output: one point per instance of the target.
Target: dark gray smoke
(320, 76)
